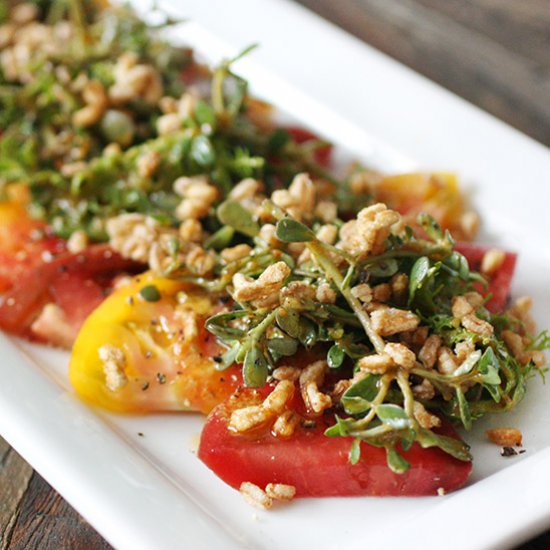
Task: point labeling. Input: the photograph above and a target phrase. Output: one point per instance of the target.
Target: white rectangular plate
(151, 491)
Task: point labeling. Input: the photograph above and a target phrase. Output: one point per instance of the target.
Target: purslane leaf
(291, 231)
(235, 215)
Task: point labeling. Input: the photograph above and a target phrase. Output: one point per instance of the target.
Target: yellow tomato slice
(165, 355)
(437, 194)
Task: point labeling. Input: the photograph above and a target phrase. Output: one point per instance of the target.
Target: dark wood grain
(15, 475)
(34, 516)
(495, 53)
(492, 52)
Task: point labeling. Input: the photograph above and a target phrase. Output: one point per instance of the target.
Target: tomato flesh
(318, 466)
(77, 283)
(499, 282)
(167, 368)
(20, 249)
(322, 155)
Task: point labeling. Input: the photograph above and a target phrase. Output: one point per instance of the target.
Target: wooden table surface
(494, 53)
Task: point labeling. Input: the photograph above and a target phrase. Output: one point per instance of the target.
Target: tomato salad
(197, 256)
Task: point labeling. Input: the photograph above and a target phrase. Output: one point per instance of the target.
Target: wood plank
(523, 27)
(15, 475)
(468, 62)
(47, 522)
(492, 52)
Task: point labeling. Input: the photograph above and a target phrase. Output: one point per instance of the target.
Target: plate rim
(23, 414)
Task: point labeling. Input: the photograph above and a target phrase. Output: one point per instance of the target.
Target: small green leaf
(277, 140)
(396, 462)
(418, 276)
(359, 397)
(333, 431)
(453, 446)
(238, 217)
(335, 356)
(282, 346)
(255, 369)
(393, 415)
(308, 333)
(150, 293)
(243, 53)
(228, 358)
(494, 392)
(430, 226)
(291, 231)
(489, 367)
(458, 263)
(384, 268)
(289, 321)
(202, 151)
(204, 113)
(463, 408)
(346, 283)
(338, 429)
(408, 439)
(355, 451)
(468, 364)
(235, 89)
(219, 325)
(220, 239)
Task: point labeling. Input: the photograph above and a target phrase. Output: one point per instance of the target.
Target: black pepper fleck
(309, 424)
(508, 451)
(161, 378)
(145, 386)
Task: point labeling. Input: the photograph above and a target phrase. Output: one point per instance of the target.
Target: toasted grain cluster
(299, 199)
(143, 239)
(367, 233)
(311, 379)
(519, 340)
(96, 102)
(394, 355)
(134, 80)
(198, 196)
(505, 437)
(263, 499)
(140, 238)
(175, 112)
(264, 291)
(23, 38)
(114, 363)
(387, 321)
(255, 416)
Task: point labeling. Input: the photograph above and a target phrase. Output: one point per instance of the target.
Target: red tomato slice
(499, 283)
(318, 466)
(322, 155)
(20, 249)
(77, 283)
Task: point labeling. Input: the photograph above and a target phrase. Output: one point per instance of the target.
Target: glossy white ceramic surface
(150, 491)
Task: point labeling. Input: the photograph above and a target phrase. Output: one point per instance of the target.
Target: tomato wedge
(76, 283)
(317, 465)
(499, 282)
(437, 194)
(169, 355)
(37, 272)
(322, 155)
(22, 243)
